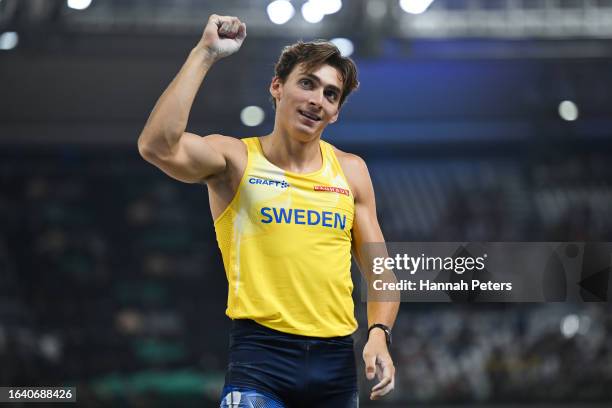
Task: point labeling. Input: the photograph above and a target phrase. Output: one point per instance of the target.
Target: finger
(380, 393)
(370, 365)
(234, 29)
(230, 27)
(242, 32)
(382, 384)
(381, 388)
(215, 19)
(387, 375)
(234, 26)
(224, 28)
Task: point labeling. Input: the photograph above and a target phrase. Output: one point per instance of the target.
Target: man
(287, 209)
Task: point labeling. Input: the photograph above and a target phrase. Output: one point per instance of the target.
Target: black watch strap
(384, 328)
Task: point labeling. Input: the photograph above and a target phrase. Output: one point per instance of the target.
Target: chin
(305, 134)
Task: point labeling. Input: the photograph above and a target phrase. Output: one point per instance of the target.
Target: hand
(223, 36)
(378, 363)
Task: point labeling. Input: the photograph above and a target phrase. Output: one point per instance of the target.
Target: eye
(305, 82)
(332, 95)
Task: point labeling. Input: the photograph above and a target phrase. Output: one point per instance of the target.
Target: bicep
(194, 158)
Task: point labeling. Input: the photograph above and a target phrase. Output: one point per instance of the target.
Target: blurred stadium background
(482, 120)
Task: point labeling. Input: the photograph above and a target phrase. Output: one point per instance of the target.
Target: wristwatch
(384, 328)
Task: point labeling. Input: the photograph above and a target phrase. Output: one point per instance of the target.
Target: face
(307, 102)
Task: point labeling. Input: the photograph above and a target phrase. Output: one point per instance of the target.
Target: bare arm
(366, 230)
(163, 141)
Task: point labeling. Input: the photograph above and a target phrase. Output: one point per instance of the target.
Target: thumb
(213, 24)
(370, 366)
(241, 32)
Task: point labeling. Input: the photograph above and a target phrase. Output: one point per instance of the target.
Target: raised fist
(223, 35)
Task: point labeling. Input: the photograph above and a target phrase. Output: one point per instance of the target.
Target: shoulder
(355, 170)
(349, 158)
(350, 162)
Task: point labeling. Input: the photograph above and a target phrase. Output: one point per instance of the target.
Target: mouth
(309, 115)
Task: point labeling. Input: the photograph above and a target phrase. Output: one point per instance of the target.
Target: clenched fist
(223, 36)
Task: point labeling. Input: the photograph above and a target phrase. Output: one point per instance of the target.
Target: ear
(276, 87)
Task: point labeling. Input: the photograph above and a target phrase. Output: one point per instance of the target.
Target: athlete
(287, 209)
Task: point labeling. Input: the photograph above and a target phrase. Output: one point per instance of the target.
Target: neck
(290, 153)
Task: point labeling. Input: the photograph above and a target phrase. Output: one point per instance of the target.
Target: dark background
(110, 275)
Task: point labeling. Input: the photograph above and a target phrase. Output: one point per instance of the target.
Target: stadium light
(327, 6)
(344, 45)
(280, 11)
(568, 111)
(252, 116)
(78, 4)
(415, 6)
(312, 13)
(570, 326)
(8, 40)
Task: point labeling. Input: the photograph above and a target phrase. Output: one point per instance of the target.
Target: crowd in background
(111, 279)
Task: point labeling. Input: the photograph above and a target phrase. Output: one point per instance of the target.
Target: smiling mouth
(309, 115)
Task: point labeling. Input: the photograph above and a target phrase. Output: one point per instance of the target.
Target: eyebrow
(318, 81)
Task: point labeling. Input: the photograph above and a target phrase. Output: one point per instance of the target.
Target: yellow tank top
(285, 239)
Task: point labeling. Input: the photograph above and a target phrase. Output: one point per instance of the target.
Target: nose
(316, 98)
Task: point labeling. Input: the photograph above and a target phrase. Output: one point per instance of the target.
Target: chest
(277, 188)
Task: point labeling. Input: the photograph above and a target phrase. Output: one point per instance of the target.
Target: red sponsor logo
(332, 189)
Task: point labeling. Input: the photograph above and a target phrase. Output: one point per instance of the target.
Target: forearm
(168, 120)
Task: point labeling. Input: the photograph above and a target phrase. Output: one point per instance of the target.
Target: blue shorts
(270, 369)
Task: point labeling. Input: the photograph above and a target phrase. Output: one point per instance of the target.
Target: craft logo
(332, 189)
(267, 182)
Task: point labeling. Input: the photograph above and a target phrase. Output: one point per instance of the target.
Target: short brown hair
(313, 54)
